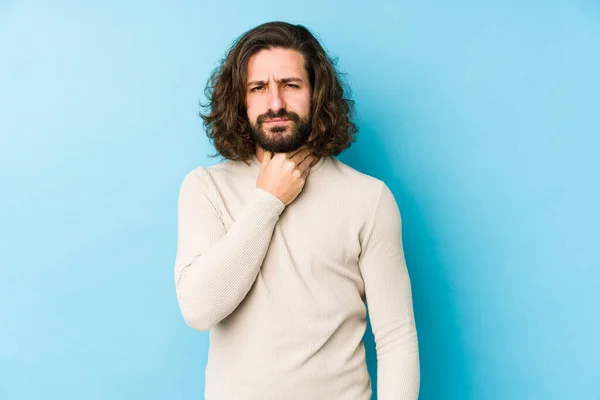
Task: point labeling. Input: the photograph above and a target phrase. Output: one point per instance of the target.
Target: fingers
(302, 149)
(267, 155)
(304, 165)
(297, 156)
(300, 156)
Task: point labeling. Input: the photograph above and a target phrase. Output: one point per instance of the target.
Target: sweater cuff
(267, 202)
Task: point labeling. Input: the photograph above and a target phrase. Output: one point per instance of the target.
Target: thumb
(267, 155)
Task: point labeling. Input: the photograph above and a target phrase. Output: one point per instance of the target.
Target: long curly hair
(226, 122)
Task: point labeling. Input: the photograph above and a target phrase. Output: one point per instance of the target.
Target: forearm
(398, 371)
(389, 301)
(213, 283)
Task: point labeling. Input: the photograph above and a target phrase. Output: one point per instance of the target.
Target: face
(278, 100)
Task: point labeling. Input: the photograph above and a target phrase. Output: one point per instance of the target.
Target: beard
(279, 138)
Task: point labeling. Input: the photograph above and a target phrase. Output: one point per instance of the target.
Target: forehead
(277, 62)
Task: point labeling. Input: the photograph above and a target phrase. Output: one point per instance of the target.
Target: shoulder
(359, 183)
(372, 194)
(192, 184)
(195, 176)
(200, 174)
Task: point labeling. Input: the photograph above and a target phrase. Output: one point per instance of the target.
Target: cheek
(251, 112)
(299, 103)
(306, 99)
(306, 105)
(255, 106)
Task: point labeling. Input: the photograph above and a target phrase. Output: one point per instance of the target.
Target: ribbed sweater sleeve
(389, 301)
(215, 267)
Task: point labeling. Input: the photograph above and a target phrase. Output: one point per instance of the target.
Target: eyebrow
(282, 80)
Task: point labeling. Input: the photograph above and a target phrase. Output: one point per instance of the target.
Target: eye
(292, 85)
(256, 88)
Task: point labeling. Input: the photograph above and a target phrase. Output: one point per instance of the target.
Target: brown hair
(226, 122)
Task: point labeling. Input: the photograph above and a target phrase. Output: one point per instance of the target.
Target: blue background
(483, 119)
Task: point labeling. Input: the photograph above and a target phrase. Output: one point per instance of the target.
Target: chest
(314, 246)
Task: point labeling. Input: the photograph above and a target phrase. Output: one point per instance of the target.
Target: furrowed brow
(292, 79)
(282, 80)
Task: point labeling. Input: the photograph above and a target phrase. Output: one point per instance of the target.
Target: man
(281, 247)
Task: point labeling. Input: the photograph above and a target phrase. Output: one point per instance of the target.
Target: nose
(275, 100)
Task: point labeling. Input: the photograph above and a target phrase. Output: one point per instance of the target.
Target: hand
(284, 174)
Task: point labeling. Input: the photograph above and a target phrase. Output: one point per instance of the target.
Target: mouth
(276, 121)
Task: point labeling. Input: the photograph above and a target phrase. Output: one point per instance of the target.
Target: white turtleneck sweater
(284, 289)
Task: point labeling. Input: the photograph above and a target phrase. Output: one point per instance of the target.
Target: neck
(260, 153)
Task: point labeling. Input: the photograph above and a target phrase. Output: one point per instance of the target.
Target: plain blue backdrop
(482, 117)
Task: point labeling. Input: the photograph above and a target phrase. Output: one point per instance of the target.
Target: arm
(215, 268)
(389, 301)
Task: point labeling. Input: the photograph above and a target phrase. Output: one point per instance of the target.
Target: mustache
(292, 116)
